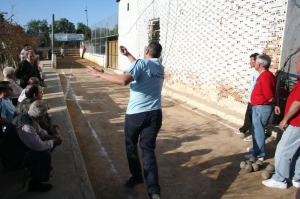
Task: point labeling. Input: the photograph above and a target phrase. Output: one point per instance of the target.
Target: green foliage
(37, 33)
(40, 29)
(12, 38)
(83, 29)
(64, 26)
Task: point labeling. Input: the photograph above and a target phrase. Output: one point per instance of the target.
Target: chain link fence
(207, 44)
(101, 32)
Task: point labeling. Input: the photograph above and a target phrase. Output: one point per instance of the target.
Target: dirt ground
(198, 154)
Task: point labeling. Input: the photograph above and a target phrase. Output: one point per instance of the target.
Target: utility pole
(87, 19)
(87, 22)
(52, 35)
(53, 62)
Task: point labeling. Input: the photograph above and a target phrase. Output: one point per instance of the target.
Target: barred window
(154, 30)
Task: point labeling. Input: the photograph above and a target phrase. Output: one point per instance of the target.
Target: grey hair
(30, 51)
(264, 60)
(8, 71)
(38, 109)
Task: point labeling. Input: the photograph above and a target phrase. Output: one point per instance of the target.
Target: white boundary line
(103, 151)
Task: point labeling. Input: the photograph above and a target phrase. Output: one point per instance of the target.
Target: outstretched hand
(94, 71)
(124, 51)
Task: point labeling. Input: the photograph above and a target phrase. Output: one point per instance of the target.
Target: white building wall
(206, 44)
(98, 59)
(127, 30)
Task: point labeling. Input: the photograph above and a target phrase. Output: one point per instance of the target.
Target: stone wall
(206, 44)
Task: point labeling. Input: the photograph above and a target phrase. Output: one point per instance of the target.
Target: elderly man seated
(36, 142)
(9, 75)
(31, 81)
(34, 92)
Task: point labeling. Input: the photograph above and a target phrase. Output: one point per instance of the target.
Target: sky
(24, 11)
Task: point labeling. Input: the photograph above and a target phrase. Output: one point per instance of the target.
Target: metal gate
(112, 54)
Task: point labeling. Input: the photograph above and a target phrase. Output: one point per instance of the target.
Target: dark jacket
(25, 70)
(12, 149)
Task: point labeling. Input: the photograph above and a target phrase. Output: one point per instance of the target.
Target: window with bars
(154, 30)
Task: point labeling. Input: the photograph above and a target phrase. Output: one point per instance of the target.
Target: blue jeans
(143, 127)
(287, 155)
(260, 116)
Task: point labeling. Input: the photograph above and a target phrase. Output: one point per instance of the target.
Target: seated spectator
(8, 109)
(28, 68)
(39, 144)
(9, 75)
(32, 80)
(33, 93)
(12, 149)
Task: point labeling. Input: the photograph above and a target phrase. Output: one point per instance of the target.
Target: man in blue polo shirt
(144, 115)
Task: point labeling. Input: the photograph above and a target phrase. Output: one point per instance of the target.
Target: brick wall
(206, 44)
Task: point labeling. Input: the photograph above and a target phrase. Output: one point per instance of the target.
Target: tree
(41, 29)
(12, 37)
(64, 26)
(83, 29)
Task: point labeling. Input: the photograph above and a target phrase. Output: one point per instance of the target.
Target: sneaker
(249, 149)
(248, 138)
(274, 184)
(296, 184)
(155, 196)
(250, 156)
(39, 187)
(134, 181)
(237, 131)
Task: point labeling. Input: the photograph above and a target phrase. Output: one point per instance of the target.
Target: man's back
(145, 90)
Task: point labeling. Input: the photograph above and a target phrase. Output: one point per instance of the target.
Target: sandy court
(198, 154)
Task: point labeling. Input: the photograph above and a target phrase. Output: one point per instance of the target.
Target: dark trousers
(143, 127)
(40, 164)
(247, 126)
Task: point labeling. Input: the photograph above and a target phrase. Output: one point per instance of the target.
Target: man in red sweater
(287, 159)
(262, 99)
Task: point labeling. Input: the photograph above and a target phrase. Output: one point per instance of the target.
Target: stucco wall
(206, 44)
(99, 59)
(291, 43)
